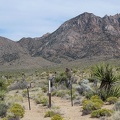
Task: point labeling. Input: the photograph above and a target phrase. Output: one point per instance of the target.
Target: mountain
(86, 36)
(15, 56)
(10, 50)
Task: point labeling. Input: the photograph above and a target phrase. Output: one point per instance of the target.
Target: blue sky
(33, 18)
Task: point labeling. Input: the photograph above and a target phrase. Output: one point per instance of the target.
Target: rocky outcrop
(85, 36)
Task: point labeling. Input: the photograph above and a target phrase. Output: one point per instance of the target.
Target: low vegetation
(57, 117)
(112, 100)
(92, 88)
(101, 112)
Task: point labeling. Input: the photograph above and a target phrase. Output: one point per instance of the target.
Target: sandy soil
(69, 112)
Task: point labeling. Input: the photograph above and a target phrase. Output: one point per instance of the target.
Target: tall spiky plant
(106, 74)
(108, 80)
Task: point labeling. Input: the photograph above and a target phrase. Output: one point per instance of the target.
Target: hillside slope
(86, 36)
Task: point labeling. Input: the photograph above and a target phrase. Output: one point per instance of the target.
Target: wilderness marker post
(49, 93)
(71, 93)
(28, 98)
(69, 76)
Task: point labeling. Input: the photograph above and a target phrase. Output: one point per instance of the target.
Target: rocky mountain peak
(85, 36)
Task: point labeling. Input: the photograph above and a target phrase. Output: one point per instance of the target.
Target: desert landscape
(59, 60)
(75, 94)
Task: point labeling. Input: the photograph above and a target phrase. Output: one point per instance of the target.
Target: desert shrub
(73, 93)
(49, 114)
(101, 112)
(44, 101)
(5, 118)
(3, 109)
(17, 98)
(112, 100)
(60, 78)
(11, 99)
(19, 85)
(38, 98)
(113, 91)
(117, 106)
(89, 106)
(60, 93)
(44, 89)
(54, 93)
(16, 110)
(3, 85)
(57, 117)
(116, 115)
(88, 95)
(2, 94)
(96, 99)
(24, 93)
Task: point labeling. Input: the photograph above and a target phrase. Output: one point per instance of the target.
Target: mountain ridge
(84, 36)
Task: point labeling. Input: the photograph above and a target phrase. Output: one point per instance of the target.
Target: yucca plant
(108, 78)
(106, 74)
(113, 91)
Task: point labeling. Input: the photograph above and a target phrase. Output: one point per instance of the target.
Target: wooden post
(28, 98)
(49, 93)
(69, 75)
(71, 93)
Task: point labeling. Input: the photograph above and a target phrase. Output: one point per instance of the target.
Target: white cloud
(30, 18)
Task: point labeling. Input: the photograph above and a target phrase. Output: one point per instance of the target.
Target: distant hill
(15, 56)
(10, 51)
(84, 37)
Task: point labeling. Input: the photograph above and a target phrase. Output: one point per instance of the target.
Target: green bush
(24, 93)
(89, 106)
(49, 114)
(61, 77)
(3, 85)
(101, 112)
(3, 109)
(113, 91)
(57, 117)
(44, 101)
(60, 93)
(112, 100)
(89, 94)
(16, 110)
(44, 89)
(38, 98)
(53, 93)
(96, 99)
(2, 94)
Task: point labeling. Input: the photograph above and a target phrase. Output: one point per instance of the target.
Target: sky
(34, 18)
